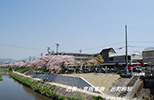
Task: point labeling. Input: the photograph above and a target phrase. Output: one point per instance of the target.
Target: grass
(22, 70)
(4, 69)
(120, 72)
(44, 70)
(0, 77)
(98, 98)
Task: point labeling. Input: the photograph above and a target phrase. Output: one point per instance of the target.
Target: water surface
(12, 90)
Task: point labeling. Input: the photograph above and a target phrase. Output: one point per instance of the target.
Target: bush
(120, 72)
(98, 98)
(44, 70)
(22, 70)
(0, 77)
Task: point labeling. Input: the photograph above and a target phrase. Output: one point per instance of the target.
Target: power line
(141, 41)
(132, 46)
(138, 46)
(104, 46)
(100, 46)
(21, 47)
(141, 28)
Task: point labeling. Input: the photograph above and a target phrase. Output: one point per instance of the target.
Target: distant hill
(6, 60)
(27, 59)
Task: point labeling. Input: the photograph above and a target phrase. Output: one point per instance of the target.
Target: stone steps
(120, 83)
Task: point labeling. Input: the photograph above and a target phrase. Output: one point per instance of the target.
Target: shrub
(0, 77)
(41, 69)
(120, 72)
(22, 70)
(98, 98)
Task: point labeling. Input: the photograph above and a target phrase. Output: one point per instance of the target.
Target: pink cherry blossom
(19, 64)
(91, 62)
(51, 62)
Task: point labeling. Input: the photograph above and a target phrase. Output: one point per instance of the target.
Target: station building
(148, 55)
(119, 59)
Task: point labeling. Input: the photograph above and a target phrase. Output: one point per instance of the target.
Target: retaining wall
(67, 80)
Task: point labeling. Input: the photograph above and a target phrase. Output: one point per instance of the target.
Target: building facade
(80, 56)
(119, 59)
(133, 57)
(148, 55)
(106, 53)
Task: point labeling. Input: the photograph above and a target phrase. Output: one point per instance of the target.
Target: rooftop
(149, 49)
(129, 53)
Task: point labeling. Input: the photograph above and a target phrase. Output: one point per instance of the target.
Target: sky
(28, 27)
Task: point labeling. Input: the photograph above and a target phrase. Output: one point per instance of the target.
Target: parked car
(87, 70)
(110, 70)
(137, 69)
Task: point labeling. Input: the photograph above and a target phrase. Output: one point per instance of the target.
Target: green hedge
(0, 77)
(44, 70)
(120, 72)
(98, 98)
(22, 70)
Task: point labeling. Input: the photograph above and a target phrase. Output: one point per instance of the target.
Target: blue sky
(90, 25)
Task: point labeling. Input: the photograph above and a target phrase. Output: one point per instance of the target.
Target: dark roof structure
(108, 50)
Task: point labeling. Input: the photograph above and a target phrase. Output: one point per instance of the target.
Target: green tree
(99, 59)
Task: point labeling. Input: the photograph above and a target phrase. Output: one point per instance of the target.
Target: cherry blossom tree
(60, 62)
(19, 64)
(4, 65)
(92, 62)
(10, 64)
(32, 64)
(43, 61)
(51, 62)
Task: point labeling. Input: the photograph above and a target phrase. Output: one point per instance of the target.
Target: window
(111, 59)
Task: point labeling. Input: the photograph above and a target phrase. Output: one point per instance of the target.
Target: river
(12, 90)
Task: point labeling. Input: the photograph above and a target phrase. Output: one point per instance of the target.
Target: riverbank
(50, 90)
(1, 77)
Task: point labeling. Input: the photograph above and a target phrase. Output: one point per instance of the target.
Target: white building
(133, 57)
(148, 55)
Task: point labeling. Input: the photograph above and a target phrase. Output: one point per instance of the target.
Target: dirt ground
(98, 79)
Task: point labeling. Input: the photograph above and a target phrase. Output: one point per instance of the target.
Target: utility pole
(41, 54)
(49, 50)
(80, 50)
(57, 45)
(126, 49)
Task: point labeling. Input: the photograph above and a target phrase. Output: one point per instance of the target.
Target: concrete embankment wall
(77, 82)
(149, 83)
(65, 90)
